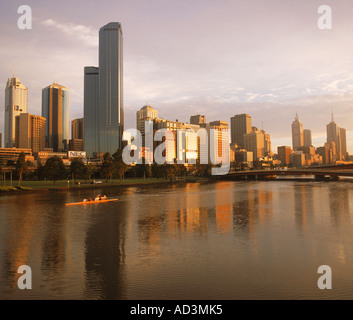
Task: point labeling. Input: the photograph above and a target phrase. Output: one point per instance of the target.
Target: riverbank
(64, 185)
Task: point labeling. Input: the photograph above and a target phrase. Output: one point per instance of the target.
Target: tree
(40, 171)
(204, 170)
(89, 171)
(21, 166)
(157, 170)
(54, 169)
(120, 167)
(77, 168)
(107, 166)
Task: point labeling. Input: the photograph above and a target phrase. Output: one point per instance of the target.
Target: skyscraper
(255, 142)
(307, 138)
(338, 136)
(111, 112)
(240, 124)
(77, 129)
(15, 104)
(77, 126)
(55, 109)
(146, 113)
(297, 133)
(103, 104)
(343, 144)
(91, 110)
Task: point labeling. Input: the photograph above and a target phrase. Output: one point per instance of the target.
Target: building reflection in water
(54, 248)
(223, 201)
(339, 203)
(105, 253)
(303, 205)
(20, 237)
(251, 207)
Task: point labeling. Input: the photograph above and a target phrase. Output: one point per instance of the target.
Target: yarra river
(222, 240)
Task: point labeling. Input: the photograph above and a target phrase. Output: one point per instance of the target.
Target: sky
(267, 58)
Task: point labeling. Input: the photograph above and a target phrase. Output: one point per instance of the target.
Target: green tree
(107, 166)
(77, 168)
(21, 166)
(120, 167)
(54, 169)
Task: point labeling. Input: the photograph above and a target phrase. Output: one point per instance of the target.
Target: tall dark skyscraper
(103, 96)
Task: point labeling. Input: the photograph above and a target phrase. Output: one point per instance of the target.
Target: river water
(223, 240)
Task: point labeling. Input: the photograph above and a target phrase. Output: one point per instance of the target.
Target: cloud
(85, 34)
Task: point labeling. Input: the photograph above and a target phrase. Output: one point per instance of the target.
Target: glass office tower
(91, 111)
(103, 104)
(55, 109)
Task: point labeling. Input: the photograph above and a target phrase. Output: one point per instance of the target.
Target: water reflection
(20, 237)
(224, 240)
(252, 207)
(339, 203)
(105, 254)
(304, 205)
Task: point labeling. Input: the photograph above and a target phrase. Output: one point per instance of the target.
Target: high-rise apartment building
(30, 132)
(15, 104)
(55, 109)
(297, 133)
(240, 124)
(104, 102)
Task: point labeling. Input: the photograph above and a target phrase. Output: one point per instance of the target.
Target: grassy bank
(71, 184)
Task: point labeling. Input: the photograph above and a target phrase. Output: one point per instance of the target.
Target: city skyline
(156, 71)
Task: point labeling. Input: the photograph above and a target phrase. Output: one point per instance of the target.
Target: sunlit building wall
(15, 104)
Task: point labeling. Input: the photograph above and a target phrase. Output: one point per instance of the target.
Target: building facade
(91, 110)
(297, 133)
(240, 124)
(103, 95)
(30, 132)
(111, 111)
(307, 138)
(337, 135)
(284, 153)
(255, 142)
(15, 104)
(55, 109)
(198, 120)
(77, 128)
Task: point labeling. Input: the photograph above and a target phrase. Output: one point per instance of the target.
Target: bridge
(333, 172)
